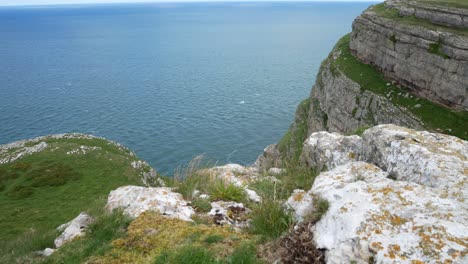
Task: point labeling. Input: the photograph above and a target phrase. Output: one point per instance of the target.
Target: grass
(434, 116)
(46, 189)
(96, 242)
(436, 48)
(394, 14)
(153, 238)
(320, 208)
(290, 146)
(220, 190)
(195, 177)
(201, 205)
(293, 177)
(447, 3)
(187, 255)
(270, 219)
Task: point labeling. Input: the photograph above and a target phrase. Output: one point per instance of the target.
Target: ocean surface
(169, 81)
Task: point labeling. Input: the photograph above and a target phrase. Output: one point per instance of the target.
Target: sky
(56, 2)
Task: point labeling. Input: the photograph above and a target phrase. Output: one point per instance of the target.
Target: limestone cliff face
(339, 104)
(405, 63)
(429, 59)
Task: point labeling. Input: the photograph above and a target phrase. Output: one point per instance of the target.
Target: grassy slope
(92, 175)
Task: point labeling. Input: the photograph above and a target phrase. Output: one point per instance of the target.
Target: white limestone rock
(323, 150)
(253, 196)
(229, 213)
(301, 203)
(73, 229)
(135, 200)
(393, 221)
(430, 159)
(46, 252)
(276, 171)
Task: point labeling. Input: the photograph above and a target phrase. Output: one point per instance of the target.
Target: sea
(171, 81)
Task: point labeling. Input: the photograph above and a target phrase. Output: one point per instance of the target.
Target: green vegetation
(220, 190)
(201, 204)
(436, 48)
(153, 238)
(196, 177)
(447, 3)
(320, 208)
(394, 14)
(96, 242)
(270, 219)
(46, 189)
(290, 146)
(434, 116)
(187, 255)
(294, 177)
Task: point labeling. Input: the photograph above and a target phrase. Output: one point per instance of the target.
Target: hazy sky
(52, 2)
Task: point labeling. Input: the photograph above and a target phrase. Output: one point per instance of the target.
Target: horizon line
(181, 1)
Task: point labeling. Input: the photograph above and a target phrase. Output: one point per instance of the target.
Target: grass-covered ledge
(434, 116)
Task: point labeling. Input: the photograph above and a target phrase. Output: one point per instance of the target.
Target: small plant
(360, 130)
(270, 219)
(201, 205)
(213, 239)
(359, 177)
(20, 192)
(436, 48)
(221, 190)
(393, 39)
(244, 254)
(320, 209)
(187, 255)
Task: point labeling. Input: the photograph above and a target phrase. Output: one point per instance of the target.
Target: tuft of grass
(320, 209)
(436, 48)
(220, 190)
(187, 255)
(201, 205)
(293, 177)
(195, 177)
(244, 254)
(270, 219)
(213, 239)
(20, 192)
(359, 131)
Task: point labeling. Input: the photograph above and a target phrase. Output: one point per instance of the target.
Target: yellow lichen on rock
(151, 234)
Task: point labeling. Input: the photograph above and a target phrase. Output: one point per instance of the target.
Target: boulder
(323, 150)
(73, 229)
(403, 202)
(134, 200)
(393, 221)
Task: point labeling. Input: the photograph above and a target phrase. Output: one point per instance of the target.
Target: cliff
(405, 63)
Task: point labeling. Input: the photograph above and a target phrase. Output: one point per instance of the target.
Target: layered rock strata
(401, 40)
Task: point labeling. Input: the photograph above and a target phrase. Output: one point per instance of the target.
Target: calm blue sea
(170, 81)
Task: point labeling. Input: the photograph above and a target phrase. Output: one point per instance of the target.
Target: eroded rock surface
(135, 200)
(409, 205)
(432, 61)
(73, 229)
